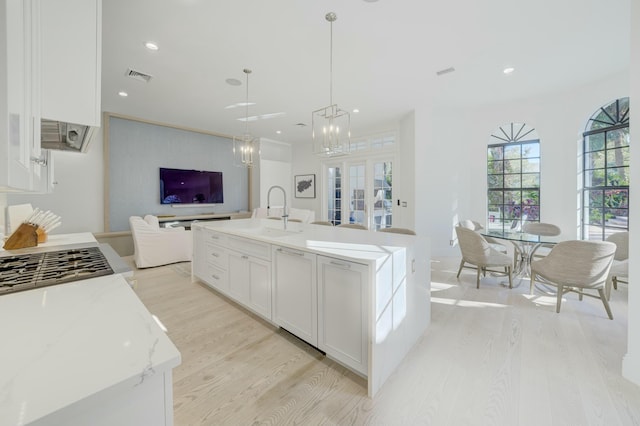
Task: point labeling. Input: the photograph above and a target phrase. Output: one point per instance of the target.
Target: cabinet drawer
(250, 247)
(215, 237)
(217, 278)
(216, 255)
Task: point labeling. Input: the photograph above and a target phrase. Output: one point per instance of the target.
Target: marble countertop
(65, 342)
(350, 244)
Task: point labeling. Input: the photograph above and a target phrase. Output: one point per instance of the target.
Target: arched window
(513, 177)
(606, 171)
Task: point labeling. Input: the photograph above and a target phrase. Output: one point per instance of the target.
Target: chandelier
(331, 126)
(245, 146)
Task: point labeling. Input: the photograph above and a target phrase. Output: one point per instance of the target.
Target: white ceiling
(386, 55)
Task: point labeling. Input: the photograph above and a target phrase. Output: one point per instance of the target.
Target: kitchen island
(361, 297)
(84, 352)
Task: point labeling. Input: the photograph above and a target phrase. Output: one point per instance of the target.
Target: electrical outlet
(452, 242)
(404, 204)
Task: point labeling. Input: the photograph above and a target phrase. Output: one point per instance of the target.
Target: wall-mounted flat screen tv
(179, 186)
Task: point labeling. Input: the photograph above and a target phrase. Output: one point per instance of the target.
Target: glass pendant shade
(331, 126)
(245, 150)
(246, 147)
(331, 131)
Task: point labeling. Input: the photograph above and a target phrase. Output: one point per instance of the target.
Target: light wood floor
(491, 356)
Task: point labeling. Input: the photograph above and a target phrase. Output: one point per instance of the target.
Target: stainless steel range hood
(65, 136)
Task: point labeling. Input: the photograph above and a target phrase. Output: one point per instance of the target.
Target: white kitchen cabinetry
(342, 311)
(210, 260)
(70, 60)
(250, 274)
(18, 143)
(295, 299)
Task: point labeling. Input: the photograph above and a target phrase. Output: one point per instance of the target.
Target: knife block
(25, 236)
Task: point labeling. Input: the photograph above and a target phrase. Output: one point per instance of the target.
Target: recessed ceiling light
(233, 81)
(151, 45)
(356, 110)
(508, 70)
(278, 131)
(371, 1)
(123, 94)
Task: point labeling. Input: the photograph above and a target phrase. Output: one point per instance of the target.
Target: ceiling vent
(137, 75)
(445, 71)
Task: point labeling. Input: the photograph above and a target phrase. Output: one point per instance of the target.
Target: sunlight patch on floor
(467, 303)
(542, 300)
(436, 286)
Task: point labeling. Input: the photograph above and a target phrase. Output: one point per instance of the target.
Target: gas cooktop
(32, 270)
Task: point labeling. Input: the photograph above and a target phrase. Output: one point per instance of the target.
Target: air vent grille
(445, 71)
(137, 75)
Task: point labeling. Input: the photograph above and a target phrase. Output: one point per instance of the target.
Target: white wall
(275, 169)
(78, 195)
(456, 156)
(306, 163)
(631, 362)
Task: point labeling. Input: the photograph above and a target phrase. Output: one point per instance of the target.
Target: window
(334, 195)
(606, 171)
(513, 177)
(367, 188)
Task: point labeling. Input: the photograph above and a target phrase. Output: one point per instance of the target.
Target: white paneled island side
(84, 352)
(362, 297)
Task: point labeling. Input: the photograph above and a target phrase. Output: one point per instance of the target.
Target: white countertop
(62, 343)
(349, 244)
(55, 241)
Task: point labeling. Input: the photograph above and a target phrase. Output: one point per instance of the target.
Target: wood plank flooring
(492, 356)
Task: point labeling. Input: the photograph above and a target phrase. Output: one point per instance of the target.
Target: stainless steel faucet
(285, 215)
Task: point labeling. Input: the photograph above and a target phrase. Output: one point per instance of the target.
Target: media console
(167, 221)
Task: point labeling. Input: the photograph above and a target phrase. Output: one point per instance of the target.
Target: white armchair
(155, 246)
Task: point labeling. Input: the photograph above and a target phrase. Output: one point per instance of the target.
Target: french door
(360, 191)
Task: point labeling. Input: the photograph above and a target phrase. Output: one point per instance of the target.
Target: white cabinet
(210, 259)
(250, 282)
(70, 60)
(295, 306)
(342, 311)
(18, 144)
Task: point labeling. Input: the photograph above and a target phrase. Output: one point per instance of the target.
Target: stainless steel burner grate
(27, 271)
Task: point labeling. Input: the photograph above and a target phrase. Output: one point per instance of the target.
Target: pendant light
(245, 146)
(331, 126)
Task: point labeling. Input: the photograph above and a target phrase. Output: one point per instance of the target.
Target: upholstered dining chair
(352, 226)
(575, 266)
(322, 222)
(476, 251)
(543, 230)
(620, 267)
(393, 230)
(475, 226)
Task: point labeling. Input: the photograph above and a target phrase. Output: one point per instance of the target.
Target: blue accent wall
(137, 150)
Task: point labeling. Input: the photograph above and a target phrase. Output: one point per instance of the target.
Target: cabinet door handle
(245, 257)
(293, 253)
(215, 237)
(215, 277)
(340, 264)
(215, 255)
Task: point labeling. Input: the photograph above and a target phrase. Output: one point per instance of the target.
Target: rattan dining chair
(575, 266)
(476, 251)
(405, 231)
(620, 267)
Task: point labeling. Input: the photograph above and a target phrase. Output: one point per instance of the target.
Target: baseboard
(631, 368)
